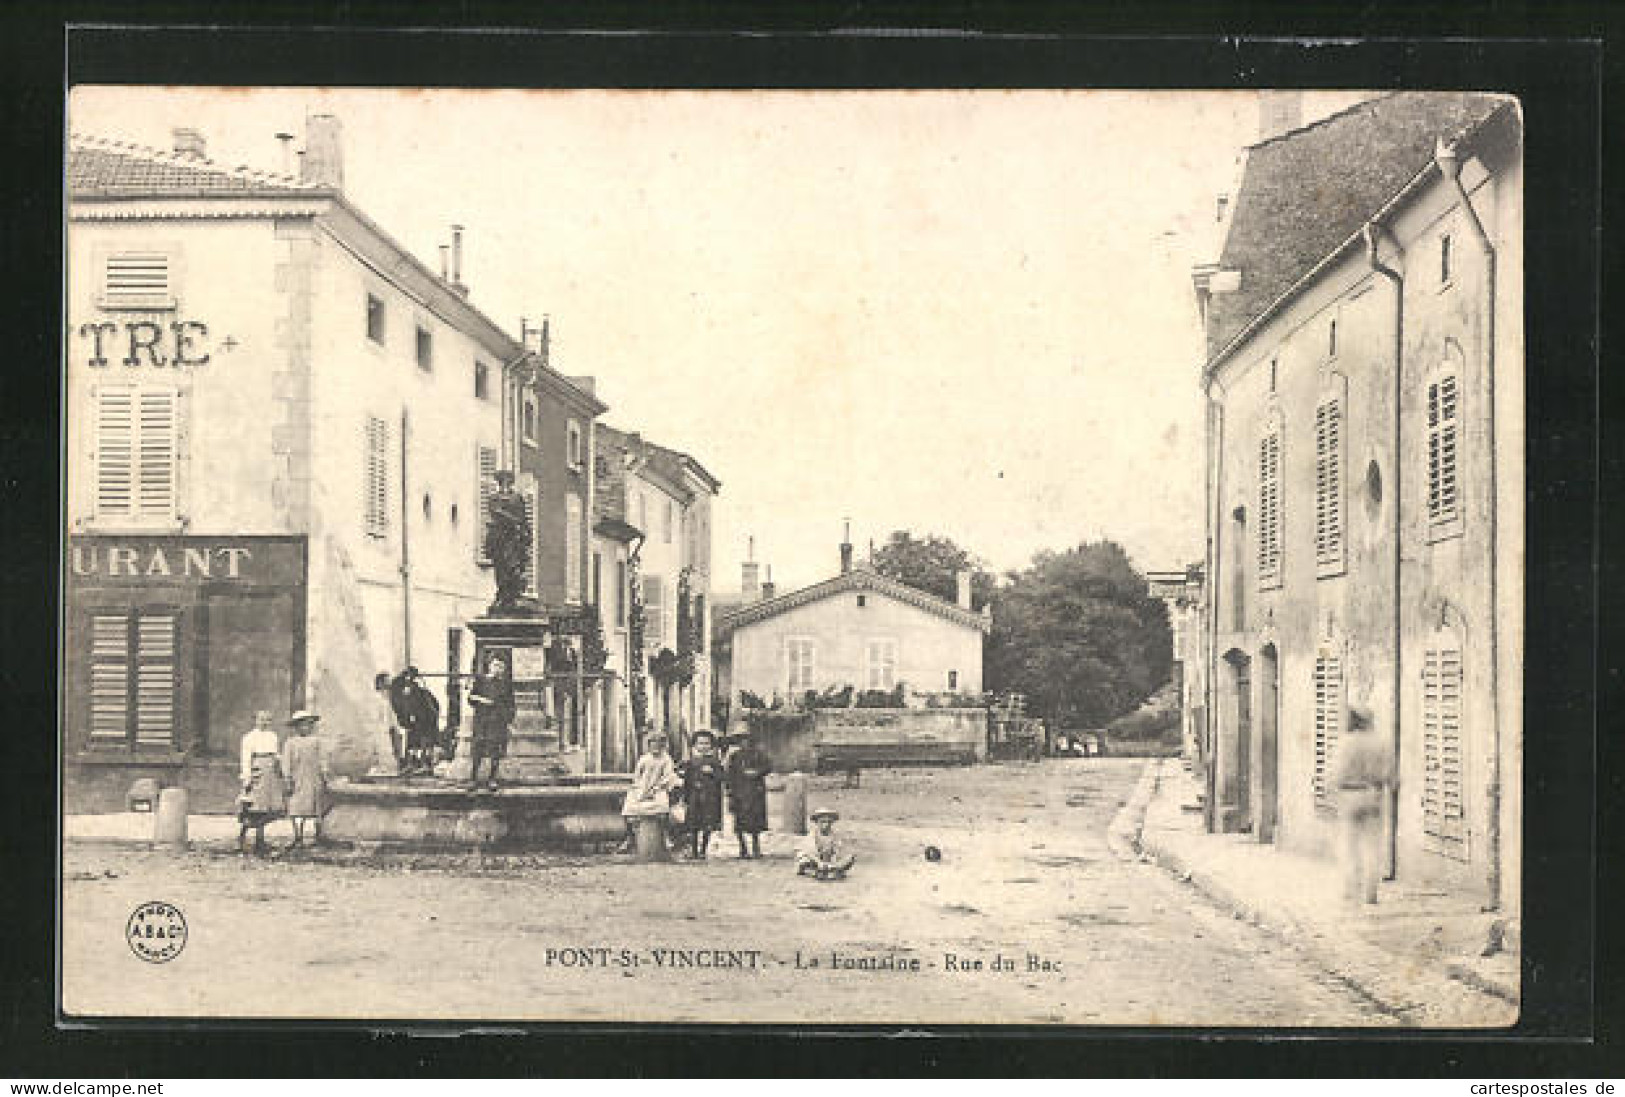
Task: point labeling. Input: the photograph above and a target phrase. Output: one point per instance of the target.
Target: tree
(930, 563)
(1079, 635)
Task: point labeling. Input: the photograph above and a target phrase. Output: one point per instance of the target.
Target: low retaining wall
(792, 740)
(565, 816)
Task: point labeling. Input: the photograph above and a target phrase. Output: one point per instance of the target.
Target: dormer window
(137, 280)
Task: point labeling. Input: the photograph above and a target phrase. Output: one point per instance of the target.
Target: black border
(1559, 83)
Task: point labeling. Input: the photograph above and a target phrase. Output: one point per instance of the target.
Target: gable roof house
(1363, 368)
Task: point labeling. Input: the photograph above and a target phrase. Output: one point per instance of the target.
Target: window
(1269, 509)
(133, 668)
(1274, 369)
(700, 627)
(1444, 259)
(880, 663)
(953, 679)
(137, 280)
(1329, 487)
(598, 580)
(376, 503)
(620, 594)
(643, 513)
(801, 663)
(1444, 499)
(137, 454)
(572, 548)
(573, 444)
(1444, 823)
(529, 417)
(482, 381)
(425, 349)
(1328, 720)
(1331, 339)
(863, 600)
(375, 319)
(666, 526)
(654, 611)
(485, 471)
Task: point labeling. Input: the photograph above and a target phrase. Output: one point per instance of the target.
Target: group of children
(689, 795)
(282, 779)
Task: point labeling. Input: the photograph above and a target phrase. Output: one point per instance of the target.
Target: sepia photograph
(793, 557)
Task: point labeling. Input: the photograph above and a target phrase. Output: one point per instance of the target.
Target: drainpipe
(1215, 485)
(406, 555)
(1449, 162)
(1396, 470)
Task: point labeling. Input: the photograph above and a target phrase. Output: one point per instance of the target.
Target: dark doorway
(1269, 719)
(1236, 750)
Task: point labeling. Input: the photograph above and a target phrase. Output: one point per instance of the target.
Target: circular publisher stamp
(156, 932)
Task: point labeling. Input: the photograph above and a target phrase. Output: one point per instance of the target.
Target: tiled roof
(1305, 192)
(100, 168)
(861, 577)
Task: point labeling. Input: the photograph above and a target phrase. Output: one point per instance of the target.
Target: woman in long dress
(306, 766)
(263, 798)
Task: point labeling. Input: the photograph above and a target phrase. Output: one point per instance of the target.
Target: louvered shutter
(654, 611)
(115, 451)
(1444, 815)
(137, 452)
(1442, 412)
(157, 451)
(155, 679)
(572, 548)
(531, 497)
(1329, 485)
(485, 470)
(109, 677)
(137, 280)
(376, 474)
(1269, 507)
(1328, 721)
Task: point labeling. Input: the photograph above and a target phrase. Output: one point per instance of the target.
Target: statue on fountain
(508, 546)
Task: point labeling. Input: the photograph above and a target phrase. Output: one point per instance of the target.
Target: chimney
(962, 587)
(1279, 112)
(323, 164)
(457, 260)
(445, 265)
(284, 141)
(749, 582)
(767, 587)
(846, 548)
(188, 143)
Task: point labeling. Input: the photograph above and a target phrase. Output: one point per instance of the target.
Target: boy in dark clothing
(748, 768)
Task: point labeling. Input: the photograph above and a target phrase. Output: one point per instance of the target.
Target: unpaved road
(1026, 876)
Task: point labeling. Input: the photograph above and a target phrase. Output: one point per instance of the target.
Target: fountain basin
(563, 814)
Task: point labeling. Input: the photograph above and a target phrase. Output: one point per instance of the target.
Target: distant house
(858, 629)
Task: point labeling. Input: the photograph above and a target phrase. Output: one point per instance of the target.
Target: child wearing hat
(306, 766)
(702, 775)
(822, 855)
(748, 768)
(263, 798)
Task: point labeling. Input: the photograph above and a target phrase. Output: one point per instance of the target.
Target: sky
(957, 312)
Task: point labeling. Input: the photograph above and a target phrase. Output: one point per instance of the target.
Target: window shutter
(654, 611)
(109, 677)
(137, 452)
(1329, 485)
(485, 470)
(572, 548)
(531, 497)
(155, 680)
(1269, 507)
(1444, 823)
(376, 476)
(1328, 721)
(157, 451)
(137, 280)
(115, 451)
(1443, 498)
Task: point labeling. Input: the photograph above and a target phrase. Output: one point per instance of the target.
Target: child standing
(748, 768)
(702, 791)
(652, 781)
(822, 855)
(263, 797)
(306, 765)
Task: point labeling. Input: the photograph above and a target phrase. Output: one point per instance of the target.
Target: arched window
(1329, 431)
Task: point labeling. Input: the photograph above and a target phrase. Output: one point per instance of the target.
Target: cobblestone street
(1027, 876)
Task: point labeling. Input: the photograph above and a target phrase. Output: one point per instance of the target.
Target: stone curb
(1346, 963)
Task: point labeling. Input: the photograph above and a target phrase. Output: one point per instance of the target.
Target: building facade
(280, 431)
(859, 629)
(1364, 378)
(1184, 593)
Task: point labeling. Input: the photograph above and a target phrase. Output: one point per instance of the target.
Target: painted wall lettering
(181, 343)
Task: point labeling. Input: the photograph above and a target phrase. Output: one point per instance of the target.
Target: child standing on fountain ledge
(652, 782)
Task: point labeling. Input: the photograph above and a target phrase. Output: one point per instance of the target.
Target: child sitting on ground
(822, 855)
